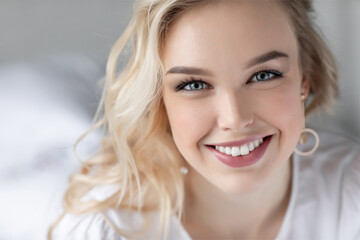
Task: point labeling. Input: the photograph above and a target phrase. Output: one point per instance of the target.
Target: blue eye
(195, 86)
(265, 76)
(192, 85)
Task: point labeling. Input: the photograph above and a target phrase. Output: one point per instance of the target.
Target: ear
(305, 87)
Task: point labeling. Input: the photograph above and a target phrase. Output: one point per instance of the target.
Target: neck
(212, 212)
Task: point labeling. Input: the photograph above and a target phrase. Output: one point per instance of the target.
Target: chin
(243, 185)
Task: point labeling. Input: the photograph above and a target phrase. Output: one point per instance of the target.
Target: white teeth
(244, 150)
(228, 150)
(241, 150)
(251, 146)
(235, 151)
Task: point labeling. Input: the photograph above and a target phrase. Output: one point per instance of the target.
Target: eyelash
(183, 84)
(277, 74)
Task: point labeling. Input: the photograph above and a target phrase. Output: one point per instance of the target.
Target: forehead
(224, 32)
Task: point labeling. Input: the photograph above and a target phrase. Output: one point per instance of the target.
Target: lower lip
(242, 161)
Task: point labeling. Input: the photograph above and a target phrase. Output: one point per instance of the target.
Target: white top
(324, 202)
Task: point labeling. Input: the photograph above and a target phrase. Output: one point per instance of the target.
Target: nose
(235, 112)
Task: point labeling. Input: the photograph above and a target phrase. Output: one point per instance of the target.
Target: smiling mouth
(242, 150)
(240, 156)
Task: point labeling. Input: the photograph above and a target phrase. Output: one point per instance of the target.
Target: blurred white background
(42, 27)
(52, 53)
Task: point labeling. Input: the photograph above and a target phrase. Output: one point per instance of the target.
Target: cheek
(286, 113)
(189, 120)
(286, 107)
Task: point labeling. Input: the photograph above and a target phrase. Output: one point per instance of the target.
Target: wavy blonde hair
(138, 153)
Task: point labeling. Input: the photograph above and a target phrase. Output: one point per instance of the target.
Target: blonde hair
(138, 153)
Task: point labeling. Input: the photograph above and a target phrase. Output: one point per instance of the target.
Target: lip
(242, 161)
(240, 142)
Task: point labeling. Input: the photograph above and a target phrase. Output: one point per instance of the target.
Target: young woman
(201, 128)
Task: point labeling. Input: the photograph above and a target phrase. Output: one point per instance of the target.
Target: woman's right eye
(192, 85)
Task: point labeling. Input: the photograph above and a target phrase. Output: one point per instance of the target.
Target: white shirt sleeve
(350, 213)
(84, 227)
(325, 198)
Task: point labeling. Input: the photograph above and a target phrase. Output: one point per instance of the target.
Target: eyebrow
(266, 57)
(203, 72)
(190, 71)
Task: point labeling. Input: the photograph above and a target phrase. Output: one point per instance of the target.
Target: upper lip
(240, 142)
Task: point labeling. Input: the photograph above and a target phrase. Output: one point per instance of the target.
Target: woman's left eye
(265, 76)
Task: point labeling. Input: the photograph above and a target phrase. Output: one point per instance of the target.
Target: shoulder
(337, 155)
(91, 226)
(113, 224)
(329, 185)
(346, 176)
(88, 225)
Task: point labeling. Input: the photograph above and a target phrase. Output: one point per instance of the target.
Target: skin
(222, 39)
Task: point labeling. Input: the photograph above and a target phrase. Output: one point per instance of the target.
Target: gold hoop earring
(309, 130)
(303, 139)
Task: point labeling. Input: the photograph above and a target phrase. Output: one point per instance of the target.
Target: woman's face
(232, 79)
